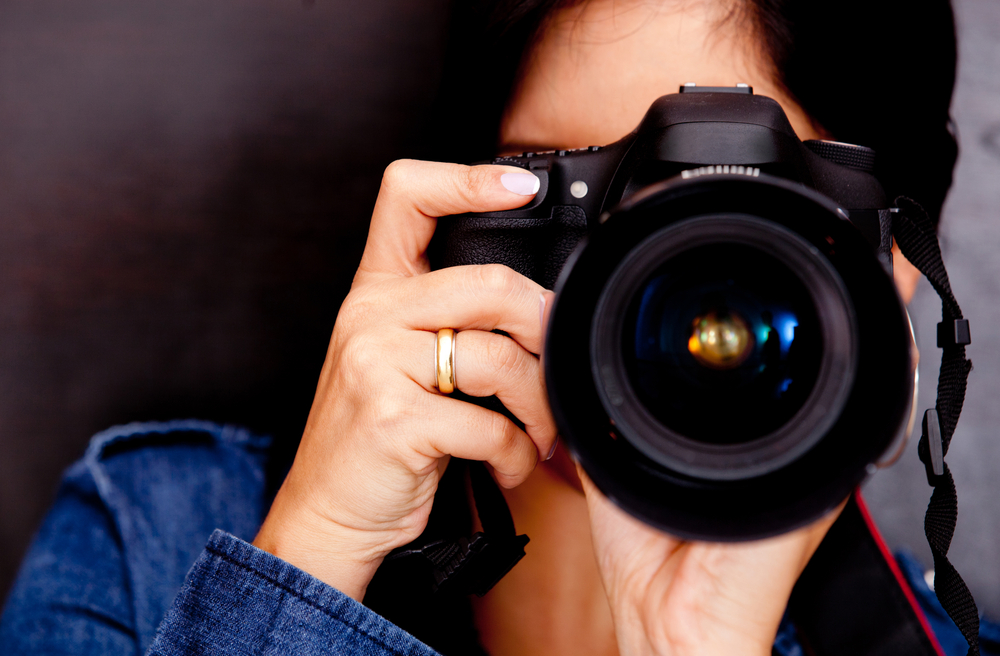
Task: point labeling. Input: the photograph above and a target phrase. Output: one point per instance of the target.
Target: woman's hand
(379, 434)
(671, 597)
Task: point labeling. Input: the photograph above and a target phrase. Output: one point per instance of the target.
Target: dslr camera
(727, 355)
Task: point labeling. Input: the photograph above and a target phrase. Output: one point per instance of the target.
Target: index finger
(415, 193)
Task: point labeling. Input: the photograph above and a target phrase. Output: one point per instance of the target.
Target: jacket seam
(225, 434)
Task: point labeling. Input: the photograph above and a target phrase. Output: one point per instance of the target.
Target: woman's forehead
(597, 67)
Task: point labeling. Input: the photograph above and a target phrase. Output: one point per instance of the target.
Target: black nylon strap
(918, 242)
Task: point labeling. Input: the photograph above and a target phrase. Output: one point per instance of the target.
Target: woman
(380, 434)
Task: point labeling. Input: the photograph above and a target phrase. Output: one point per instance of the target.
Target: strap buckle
(931, 447)
(955, 333)
(473, 564)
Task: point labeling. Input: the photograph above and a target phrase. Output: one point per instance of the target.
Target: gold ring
(444, 360)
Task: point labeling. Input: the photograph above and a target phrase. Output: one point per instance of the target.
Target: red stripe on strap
(894, 567)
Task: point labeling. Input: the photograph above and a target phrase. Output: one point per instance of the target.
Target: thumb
(415, 193)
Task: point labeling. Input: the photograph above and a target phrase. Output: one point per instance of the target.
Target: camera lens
(726, 356)
(722, 347)
(719, 343)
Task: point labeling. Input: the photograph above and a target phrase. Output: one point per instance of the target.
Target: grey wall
(971, 240)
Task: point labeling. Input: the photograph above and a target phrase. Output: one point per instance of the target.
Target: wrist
(339, 556)
(644, 629)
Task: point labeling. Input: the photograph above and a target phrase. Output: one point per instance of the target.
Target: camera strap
(914, 233)
(466, 565)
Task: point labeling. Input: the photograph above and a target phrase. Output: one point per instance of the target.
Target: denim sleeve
(238, 599)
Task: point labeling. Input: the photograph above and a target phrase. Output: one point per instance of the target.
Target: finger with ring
(492, 364)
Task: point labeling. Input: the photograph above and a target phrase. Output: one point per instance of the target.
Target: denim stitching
(138, 429)
(224, 433)
(298, 595)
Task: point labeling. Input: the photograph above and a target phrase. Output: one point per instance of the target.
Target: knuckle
(501, 353)
(365, 306)
(397, 175)
(352, 311)
(389, 416)
(382, 408)
(513, 456)
(360, 353)
(475, 182)
(504, 434)
(500, 280)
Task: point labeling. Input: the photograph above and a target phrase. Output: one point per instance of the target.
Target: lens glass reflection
(722, 343)
(720, 339)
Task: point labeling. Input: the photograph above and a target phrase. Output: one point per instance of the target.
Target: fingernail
(552, 451)
(541, 310)
(522, 184)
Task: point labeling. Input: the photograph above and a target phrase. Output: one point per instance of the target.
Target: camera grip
(534, 247)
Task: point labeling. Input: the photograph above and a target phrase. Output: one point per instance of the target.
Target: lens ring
(746, 509)
(696, 458)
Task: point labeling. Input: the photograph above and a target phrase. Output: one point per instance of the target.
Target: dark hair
(874, 72)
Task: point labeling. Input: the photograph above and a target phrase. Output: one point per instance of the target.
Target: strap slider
(931, 447)
(473, 564)
(955, 333)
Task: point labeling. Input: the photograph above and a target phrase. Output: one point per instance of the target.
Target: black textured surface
(536, 248)
(850, 155)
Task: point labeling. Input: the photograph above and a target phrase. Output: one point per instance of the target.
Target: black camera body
(727, 355)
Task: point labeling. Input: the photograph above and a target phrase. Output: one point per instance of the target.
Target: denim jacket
(121, 564)
(111, 569)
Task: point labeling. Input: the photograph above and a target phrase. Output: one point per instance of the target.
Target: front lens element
(723, 354)
(720, 339)
(723, 347)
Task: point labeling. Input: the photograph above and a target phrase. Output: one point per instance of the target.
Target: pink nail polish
(552, 451)
(541, 310)
(522, 184)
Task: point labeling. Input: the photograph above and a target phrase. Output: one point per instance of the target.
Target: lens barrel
(726, 356)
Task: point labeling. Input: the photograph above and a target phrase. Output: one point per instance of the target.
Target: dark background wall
(184, 194)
